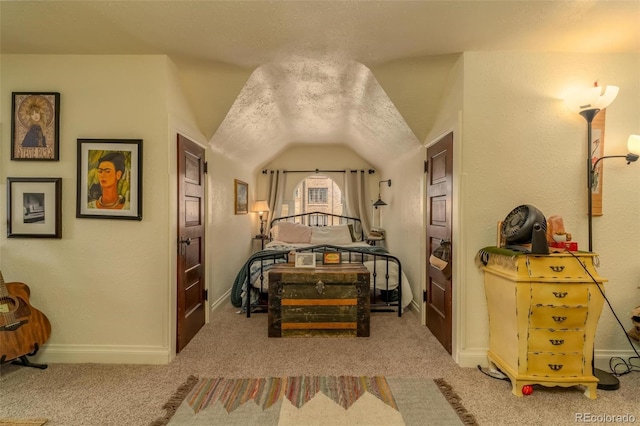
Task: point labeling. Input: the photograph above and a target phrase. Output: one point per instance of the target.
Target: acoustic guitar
(23, 329)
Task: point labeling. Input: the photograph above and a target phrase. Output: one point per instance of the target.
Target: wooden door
(438, 300)
(191, 294)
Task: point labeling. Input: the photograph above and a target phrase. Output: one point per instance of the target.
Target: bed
(318, 233)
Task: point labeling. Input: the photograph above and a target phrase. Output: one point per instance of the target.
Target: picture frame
(331, 258)
(109, 183)
(305, 260)
(35, 126)
(34, 207)
(241, 197)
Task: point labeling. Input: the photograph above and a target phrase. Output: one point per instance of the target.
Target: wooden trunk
(328, 301)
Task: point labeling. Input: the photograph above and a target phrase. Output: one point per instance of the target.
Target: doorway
(191, 292)
(438, 298)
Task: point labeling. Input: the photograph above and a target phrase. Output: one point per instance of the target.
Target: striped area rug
(313, 400)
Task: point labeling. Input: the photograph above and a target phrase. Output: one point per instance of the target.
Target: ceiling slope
(317, 102)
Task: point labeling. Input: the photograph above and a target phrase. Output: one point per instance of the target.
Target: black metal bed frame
(321, 219)
(380, 294)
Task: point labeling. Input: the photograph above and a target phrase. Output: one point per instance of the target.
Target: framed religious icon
(35, 126)
(109, 179)
(241, 193)
(34, 207)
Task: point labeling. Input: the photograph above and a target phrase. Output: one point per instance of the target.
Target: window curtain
(277, 183)
(356, 195)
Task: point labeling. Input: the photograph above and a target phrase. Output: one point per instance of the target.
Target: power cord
(494, 374)
(617, 365)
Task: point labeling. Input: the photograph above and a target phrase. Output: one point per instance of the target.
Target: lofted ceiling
(311, 61)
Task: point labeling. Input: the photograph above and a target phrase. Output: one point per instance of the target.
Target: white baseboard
(474, 357)
(100, 354)
(222, 299)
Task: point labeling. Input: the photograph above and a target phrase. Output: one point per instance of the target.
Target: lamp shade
(260, 206)
(598, 97)
(379, 203)
(633, 144)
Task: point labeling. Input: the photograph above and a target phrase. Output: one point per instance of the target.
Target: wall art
(35, 126)
(34, 207)
(109, 179)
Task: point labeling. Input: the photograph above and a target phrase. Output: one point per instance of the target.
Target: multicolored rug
(309, 400)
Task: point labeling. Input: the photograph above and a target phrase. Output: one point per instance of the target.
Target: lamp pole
(606, 380)
(589, 116)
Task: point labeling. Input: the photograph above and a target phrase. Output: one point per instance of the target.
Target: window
(318, 195)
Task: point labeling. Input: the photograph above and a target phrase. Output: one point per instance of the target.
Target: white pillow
(289, 232)
(330, 235)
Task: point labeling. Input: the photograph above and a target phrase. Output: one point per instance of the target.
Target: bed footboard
(386, 275)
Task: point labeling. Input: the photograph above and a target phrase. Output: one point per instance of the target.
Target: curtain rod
(371, 171)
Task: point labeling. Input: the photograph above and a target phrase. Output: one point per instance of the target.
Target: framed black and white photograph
(305, 260)
(109, 179)
(241, 194)
(34, 207)
(35, 126)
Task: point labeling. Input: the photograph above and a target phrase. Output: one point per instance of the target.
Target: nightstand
(258, 243)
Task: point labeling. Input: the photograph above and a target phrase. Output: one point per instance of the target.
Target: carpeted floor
(233, 346)
(22, 422)
(313, 400)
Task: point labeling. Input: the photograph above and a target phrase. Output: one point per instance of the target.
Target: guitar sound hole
(7, 304)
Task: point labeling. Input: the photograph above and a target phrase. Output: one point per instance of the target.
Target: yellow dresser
(543, 314)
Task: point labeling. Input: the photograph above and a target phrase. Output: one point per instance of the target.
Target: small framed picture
(305, 260)
(331, 258)
(241, 193)
(35, 126)
(34, 207)
(109, 179)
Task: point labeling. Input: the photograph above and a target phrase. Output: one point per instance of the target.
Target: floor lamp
(589, 103)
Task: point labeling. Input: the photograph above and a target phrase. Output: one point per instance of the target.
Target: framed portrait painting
(109, 179)
(34, 207)
(35, 126)
(241, 192)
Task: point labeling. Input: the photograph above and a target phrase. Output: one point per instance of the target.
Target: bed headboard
(322, 219)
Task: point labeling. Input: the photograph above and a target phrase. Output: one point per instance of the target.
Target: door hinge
(424, 296)
(426, 166)
(205, 294)
(206, 167)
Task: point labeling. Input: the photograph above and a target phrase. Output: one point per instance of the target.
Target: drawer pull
(557, 268)
(320, 287)
(560, 294)
(556, 342)
(555, 367)
(559, 319)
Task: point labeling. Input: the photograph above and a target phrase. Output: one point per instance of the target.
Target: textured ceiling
(313, 101)
(312, 83)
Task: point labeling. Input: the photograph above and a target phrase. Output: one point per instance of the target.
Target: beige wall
(104, 285)
(521, 145)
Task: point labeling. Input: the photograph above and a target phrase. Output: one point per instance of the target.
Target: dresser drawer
(556, 341)
(559, 267)
(555, 365)
(559, 294)
(557, 318)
